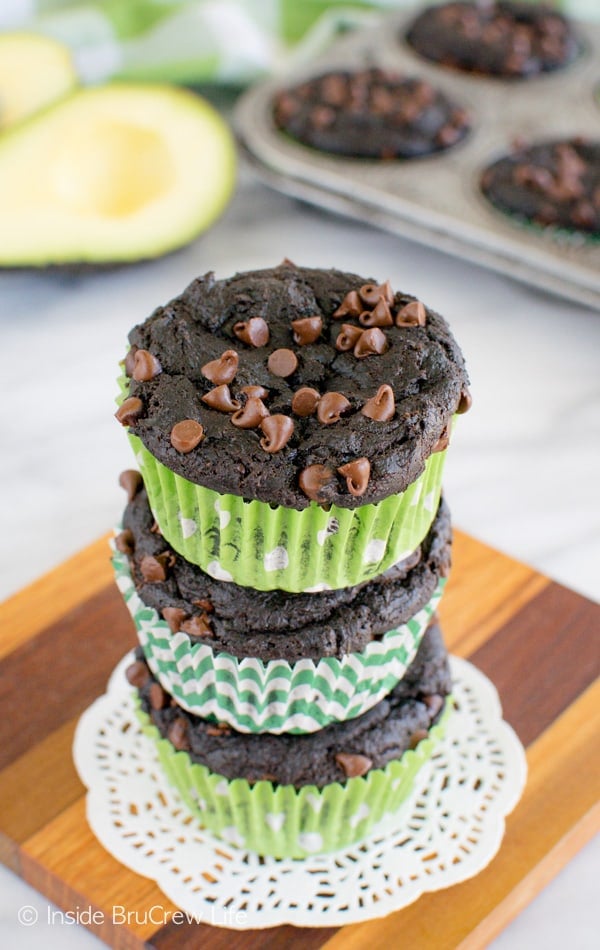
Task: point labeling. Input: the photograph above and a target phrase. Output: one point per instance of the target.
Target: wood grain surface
(537, 641)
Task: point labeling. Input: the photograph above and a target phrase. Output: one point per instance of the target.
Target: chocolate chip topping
(174, 616)
(137, 674)
(423, 368)
(379, 316)
(254, 332)
(314, 481)
(348, 338)
(307, 330)
(129, 411)
(417, 736)
(197, 626)
(154, 569)
(221, 399)
(413, 314)
(330, 408)
(370, 342)
(131, 481)
(282, 362)
(305, 401)
(258, 391)
(353, 765)
(371, 294)
(251, 414)
(186, 435)
(145, 366)
(124, 542)
(357, 475)
(434, 703)
(465, 402)
(380, 407)
(177, 734)
(277, 432)
(223, 369)
(129, 361)
(157, 696)
(351, 306)
(444, 440)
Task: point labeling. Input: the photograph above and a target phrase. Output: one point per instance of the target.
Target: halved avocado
(34, 71)
(121, 172)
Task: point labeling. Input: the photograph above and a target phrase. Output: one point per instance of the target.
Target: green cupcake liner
(275, 696)
(285, 822)
(268, 548)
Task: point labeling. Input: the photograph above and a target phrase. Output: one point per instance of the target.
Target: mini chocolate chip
(137, 674)
(177, 734)
(130, 361)
(157, 696)
(444, 440)
(254, 332)
(314, 480)
(305, 401)
(204, 605)
(251, 414)
(153, 569)
(307, 330)
(350, 306)
(434, 703)
(278, 430)
(174, 616)
(380, 407)
(131, 481)
(282, 363)
(218, 729)
(379, 316)
(145, 366)
(124, 542)
(186, 435)
(348, 338)
(353, 765)
(465, 402)
(411, 315)
(220, 399)
(417, 737)
(357, 474)
(197, 626)
(371, 342)
(370, 294)
(448, 135)
(129, 411)
(258, 391)
(330, 408)
(223, 369)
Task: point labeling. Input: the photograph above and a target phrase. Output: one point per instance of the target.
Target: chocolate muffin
(370, 113)
(377, 737)
(553, 183)
(273, 625)
(507, 39)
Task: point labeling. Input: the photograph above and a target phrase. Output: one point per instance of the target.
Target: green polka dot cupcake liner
(269, 547)
(288, 822)
(275, 696)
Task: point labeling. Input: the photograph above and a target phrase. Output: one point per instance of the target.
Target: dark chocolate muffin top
(293, 385)
(275, 625)
(512, 40)
(552, 183)
(370, 113)
(335, 753)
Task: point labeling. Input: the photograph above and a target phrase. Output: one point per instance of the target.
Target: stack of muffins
(284, 549)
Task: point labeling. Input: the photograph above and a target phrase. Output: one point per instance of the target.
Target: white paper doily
(449, 829)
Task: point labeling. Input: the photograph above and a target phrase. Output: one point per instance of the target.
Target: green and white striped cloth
(198, 41)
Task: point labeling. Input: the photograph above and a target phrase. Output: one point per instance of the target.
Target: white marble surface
(523, 473)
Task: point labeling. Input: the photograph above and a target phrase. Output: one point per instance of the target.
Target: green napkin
(198, 41)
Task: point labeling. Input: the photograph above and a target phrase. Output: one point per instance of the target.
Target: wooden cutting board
(536, 640)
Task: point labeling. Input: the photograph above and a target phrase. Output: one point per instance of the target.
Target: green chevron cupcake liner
(269, 547)
(286, 822)
(275, 696)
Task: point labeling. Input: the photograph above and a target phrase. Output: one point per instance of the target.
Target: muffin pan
(436, 200)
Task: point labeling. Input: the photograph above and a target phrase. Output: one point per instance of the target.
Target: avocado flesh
(34, 71)
(117, 173)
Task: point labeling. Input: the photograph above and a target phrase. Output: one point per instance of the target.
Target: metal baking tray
(436, 200)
